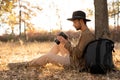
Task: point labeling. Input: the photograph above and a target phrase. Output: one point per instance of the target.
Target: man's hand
(62, 40)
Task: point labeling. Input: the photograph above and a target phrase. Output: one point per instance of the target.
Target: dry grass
(17, 53)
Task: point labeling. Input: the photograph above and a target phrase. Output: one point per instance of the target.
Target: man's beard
(78, 28)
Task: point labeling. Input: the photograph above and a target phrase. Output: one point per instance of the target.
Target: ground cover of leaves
(12, 55)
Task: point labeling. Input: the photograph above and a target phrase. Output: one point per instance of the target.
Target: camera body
(63, 35)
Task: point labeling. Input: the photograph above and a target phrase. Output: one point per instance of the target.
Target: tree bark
(101, 19)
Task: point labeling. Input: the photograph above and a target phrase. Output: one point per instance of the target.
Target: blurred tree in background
(114, 11)
(16, 12)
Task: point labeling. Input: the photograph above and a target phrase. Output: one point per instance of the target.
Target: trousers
(57, 55)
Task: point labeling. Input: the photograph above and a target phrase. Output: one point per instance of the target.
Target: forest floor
(14, 54)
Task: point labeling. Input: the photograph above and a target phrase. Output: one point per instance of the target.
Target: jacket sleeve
(78, 49)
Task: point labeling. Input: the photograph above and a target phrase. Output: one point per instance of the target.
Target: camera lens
(57, 41)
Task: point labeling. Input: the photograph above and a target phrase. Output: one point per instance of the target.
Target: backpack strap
(98, 52)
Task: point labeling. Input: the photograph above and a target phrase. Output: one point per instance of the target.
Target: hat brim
(72, 19)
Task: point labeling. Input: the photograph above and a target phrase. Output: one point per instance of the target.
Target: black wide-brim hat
(78, 15)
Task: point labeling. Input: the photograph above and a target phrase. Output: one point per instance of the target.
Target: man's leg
(50, 58)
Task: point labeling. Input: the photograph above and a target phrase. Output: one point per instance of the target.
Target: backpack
(98, 56)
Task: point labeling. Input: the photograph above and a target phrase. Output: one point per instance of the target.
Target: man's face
(77, 24)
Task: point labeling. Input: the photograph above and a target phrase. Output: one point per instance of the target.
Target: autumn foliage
(50, 36)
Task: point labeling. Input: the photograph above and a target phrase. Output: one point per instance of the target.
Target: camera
(63, 35)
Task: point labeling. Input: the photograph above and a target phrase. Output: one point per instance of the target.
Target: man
(79, 22)
(71, 56)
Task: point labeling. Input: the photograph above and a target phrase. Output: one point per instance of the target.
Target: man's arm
(74, 51)
(83, 41)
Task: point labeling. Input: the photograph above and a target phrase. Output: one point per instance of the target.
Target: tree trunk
(101, 19)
